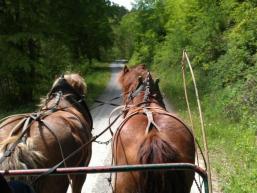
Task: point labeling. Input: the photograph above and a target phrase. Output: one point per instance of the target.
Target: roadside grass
(232, 146)
(96, 79)
(96, 76)
(233, 154)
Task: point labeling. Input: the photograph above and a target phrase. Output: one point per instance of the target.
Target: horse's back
(59, 135)
(7, 126)
(171, 142)
(178, 134)
(172, 130)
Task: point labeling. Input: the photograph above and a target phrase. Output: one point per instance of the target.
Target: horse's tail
(155, 149)
(24, 155)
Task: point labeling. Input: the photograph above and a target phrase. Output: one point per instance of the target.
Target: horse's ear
(125, 69)
(156, 83)
(140, 79)
(143, 66)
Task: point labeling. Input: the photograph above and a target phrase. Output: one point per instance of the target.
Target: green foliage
(121, 36)
(96, 78)
(236, 146)
(139, 31)
(42, 39)
(125, 36)
(221, 39)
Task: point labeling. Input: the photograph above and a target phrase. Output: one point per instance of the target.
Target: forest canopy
(40, 39)
(219, 35)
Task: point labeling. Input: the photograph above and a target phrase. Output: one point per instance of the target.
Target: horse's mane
(30, 159)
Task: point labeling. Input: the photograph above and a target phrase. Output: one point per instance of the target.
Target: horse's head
(130, 77)
(137, 79)
(72, 88)
(70, 83)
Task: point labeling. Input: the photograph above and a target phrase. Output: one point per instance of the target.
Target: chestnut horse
(45, 138)
(149, 134)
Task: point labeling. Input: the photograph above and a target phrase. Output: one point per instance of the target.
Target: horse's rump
(154, 150)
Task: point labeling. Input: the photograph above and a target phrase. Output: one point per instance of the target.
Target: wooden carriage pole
(206, 152)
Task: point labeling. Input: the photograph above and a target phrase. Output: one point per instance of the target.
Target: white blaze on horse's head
(76, 81)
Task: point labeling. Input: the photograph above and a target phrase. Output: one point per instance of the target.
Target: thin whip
(185, 57)
(183, 66)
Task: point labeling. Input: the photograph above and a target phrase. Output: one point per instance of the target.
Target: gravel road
(98, 183)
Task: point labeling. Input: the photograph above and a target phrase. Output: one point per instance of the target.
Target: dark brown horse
(149, 135)
(44, 138)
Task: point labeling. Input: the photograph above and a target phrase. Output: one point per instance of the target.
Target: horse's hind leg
(125, 183)
(77, 182)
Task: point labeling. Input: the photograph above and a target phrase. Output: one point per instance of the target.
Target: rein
(101, 103)
(93, 139)
(51, 170)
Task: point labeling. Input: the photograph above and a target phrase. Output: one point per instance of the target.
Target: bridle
(150, 89)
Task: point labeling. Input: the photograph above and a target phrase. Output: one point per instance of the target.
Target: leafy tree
(41, 39)
(219, 35)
